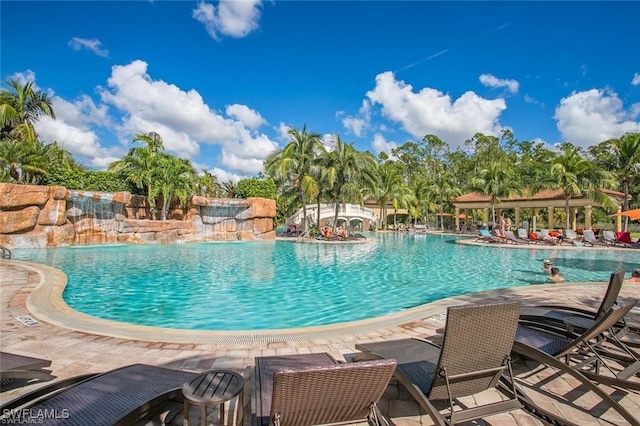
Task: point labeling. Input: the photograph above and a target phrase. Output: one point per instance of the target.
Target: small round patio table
(210, 389)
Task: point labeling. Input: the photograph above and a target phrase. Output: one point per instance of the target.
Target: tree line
(419, 176)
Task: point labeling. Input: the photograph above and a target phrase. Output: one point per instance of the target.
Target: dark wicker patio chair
(116, 397)
(582, 357)
(581, 319)
(474, 355)
(313, 389)
(13, 366)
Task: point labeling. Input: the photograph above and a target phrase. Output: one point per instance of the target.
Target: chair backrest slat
(607, 321)
(611, 295)
(477, 337)
(329, 394)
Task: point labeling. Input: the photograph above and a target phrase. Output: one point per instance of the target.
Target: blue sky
(221, 81)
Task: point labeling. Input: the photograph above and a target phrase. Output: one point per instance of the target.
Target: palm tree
(445, 188)
(23, 159)
(174, 178)
(142, 164)
(346, 170)
(20, 108)
(424, 195)
(496, 182)
(152, 140)
(207, 185)
(627, 167)
(578, 177)
(230, 189)
(294, 162)
(387, 182)
(403, 198)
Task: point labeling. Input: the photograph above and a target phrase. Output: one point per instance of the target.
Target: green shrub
(263, 188)
(72, 178)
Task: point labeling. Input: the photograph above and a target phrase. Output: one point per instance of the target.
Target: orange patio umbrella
(632, 214)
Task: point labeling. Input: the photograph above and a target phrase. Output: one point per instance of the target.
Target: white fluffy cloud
(493, 81)
(430, 111)
(184, 120)
(357, 124)
(93, 45)
(230, 18)
(380, 144)
(636, 79)
(246, 115)
(225, 176)
(80, 141)
(133, 103)
(590, 117)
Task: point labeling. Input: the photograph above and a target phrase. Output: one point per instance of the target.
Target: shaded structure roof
(546, 198)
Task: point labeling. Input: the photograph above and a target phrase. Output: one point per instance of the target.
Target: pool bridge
(352, 214)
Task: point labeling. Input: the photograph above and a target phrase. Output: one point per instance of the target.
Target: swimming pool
(276, 285)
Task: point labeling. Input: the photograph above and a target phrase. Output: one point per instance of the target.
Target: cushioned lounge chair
(473, 357)
(312, 389)
(511, 238)
(486, 237)
(116, 397)
(581, 356)
(625, 238)
(524, 236)
(22, 367)
(570, 237)
(591, 240)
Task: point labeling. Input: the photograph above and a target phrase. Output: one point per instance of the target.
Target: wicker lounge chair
(313, 389)
(473, 357)
(14, 366)
(557, 314)
(578, 320)
(581, 356)
(119, 396)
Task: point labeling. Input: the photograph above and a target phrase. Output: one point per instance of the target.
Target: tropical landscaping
(419, 177)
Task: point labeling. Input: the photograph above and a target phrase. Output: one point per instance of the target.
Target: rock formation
(34, 216)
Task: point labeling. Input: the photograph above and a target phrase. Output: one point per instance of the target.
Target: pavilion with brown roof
(549, 199)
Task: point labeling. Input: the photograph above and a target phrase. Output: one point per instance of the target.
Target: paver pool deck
(36, 322)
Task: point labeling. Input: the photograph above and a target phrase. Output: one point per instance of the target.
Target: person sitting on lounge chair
(555, 276)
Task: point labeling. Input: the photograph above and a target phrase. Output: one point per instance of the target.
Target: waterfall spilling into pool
(95, 217)
(221, 219)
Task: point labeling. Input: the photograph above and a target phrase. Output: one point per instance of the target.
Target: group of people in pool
(554, 273)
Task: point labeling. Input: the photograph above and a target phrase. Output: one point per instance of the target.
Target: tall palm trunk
(318, 212)
(304, 208)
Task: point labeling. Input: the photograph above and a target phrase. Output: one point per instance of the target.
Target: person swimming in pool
(555, 276)
(547, 266)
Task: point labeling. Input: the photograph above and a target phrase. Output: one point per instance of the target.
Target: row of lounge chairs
(570, 237)
(475, 354)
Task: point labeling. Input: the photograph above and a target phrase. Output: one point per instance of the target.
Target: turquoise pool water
(274, 285)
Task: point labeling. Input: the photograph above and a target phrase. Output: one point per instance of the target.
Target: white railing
(345, 211)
